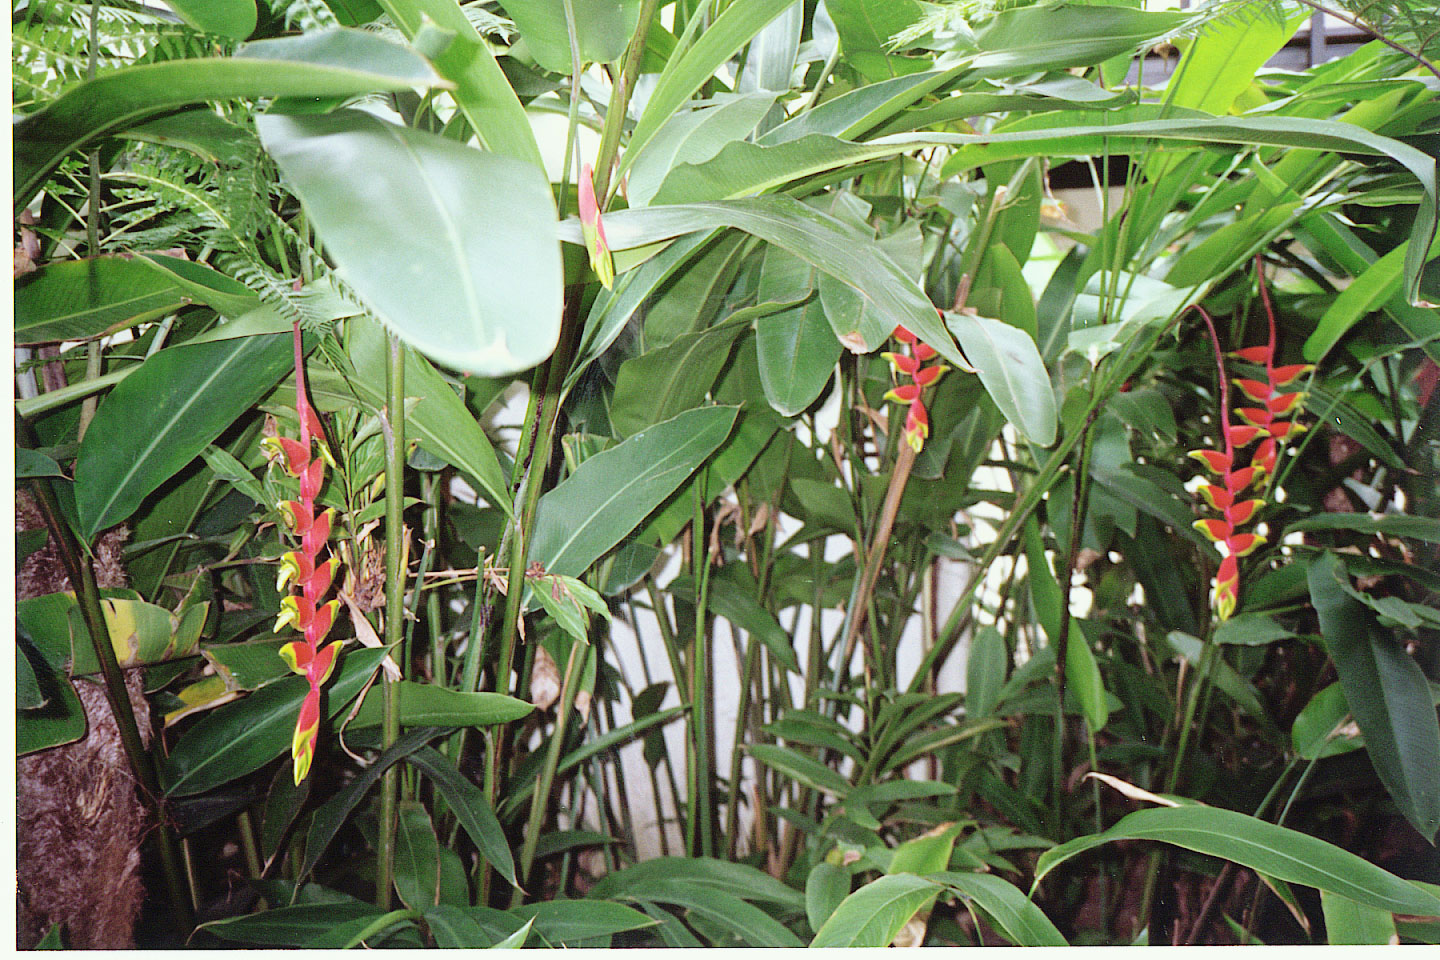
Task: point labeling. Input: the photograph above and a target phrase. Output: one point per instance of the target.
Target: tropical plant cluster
(532, 512)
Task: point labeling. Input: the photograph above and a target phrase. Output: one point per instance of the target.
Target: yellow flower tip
(289, 610)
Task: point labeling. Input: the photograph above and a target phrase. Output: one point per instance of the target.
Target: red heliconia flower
(1243, 512)
(1265, 456)
(1254, 389)
(592, 227)
(1237, 480)
(926, 377)
(1258, 355)
(1227, 588)
(1218, 497)
(1257, 417)
(917, 417)
(302, 569)
(1283, 404)
(1214, 529)
(903, 363)
(1243, 544)
(1284, 376)
(917, 426)
(904, 393)
(1217, 462)
(1284, 429)
(1241, 436)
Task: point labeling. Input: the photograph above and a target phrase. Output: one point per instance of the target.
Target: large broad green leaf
(81, 299)
(294, 926)
(229, 18)
(417, 857)
(613, 491)
(737, 879)
(469, 272)
(1220, 63)
(661, 383)
(246, 735)
(425, 704)
(332, 63)
(602, 29)
(873, 915)
(440, 421)
(59, 718)
(1388, 695)
(1013, 913)
(1348, 922)
(1095, 139)
(694, 136)
(826, 888)
(482, 91)
(570, 921)
(1063, 36)
(1279, 852)
(160, 417)
(851, 114)
(865, 28)
(729, 910)
(1009, 365)
(797, 351)
(686, 73)
(471, 809)
(815, 237)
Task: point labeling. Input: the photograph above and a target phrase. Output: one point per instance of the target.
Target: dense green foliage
(620, 482)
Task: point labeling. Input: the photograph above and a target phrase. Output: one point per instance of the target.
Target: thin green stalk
(92, 226)
(394, 422)
(700, 692)
(247, 842)
(620, 101)
(540, 800)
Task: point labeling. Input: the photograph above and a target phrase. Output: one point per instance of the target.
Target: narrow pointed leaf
(1280, 852)
(1388, 695)
(160, 417)
(613, 491)
(471, 809)
(417, 857)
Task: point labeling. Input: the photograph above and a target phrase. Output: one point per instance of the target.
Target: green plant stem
(540, 800)
(879, 544)
(1078, 508)
(247, 841)
(31, 407)
(620, 95)
(700, 805)
(142, 765)
(394, 422)
(92, 227)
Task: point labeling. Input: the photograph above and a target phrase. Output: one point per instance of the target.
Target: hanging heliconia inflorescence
(1269, 425)
(302, 570)
(917, 418)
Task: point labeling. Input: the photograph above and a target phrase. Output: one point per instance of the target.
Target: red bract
(302, 569)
